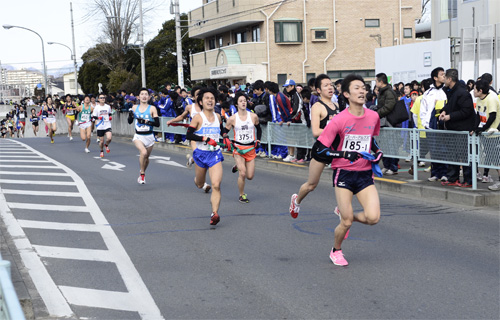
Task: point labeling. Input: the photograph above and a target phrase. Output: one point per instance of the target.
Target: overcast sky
(52, 20)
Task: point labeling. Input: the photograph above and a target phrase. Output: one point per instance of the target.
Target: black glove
(351, 155)
(479, 131)
(378, 157)
(141, 121)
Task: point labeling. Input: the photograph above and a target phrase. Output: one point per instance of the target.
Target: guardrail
(438, 146)
(10, 308)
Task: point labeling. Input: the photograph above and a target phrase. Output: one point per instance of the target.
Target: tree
(161, 62)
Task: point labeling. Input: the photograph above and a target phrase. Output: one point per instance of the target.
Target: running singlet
(70, 110)
(330, 114)
(22, 116)
(244, 131)
(84, 115)
(209, 130)
(146, 115)
(51, 113)
(355, 135)
(34, 119)
(193, 111)
(102, 113)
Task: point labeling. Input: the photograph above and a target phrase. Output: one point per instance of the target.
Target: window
(211, 44)
(448, 9)
(343, 73)
(408, 33)
(287, 31)
(310, 76)
(372, 23)
(281, 78)
(256, 34)
(240, 36)
(320, 34)
(220, 42)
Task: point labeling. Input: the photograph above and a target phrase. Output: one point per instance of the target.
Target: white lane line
(138, 299)
(36, 161)
(53, 183)
(32, 173)
(35, 224)
(41, 193)
(98, 298)
(2, 156)
(46, 207)
(73, 253)
(26, 166)
(11, 149)
(53, 298)
(16, 152)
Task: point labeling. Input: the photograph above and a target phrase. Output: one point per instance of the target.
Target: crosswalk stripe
(73, 253)
(30, 173)
(17, 160)
(26, 166)
(2, 156)
(41, 193)
(46, 207)
(54, 183)
(35, 224)
(97, 298)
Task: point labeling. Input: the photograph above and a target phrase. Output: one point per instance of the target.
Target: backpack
(262, 111)
(284, 106)
(178, 106)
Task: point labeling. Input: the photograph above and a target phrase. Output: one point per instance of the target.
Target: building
(69, 84)
(473, 26)
(24, 79)
(275, 40)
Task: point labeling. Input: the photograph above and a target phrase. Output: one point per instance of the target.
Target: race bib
(245, 136)
(21, 116)
(85, 117)
(104, 115)
(356, 142)
(52, 116)
(141, 127)
(70, 112)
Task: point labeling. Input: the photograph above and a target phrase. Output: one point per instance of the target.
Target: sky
(52, 20)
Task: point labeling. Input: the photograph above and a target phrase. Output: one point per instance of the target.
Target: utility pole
(141, 40)
(74, 49)
(178, 37)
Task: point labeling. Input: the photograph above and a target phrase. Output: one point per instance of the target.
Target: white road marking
(54, 183)
(17, 160)
(59, 225)
(46, 207)
(73, 253)
(2, 156)
(54, 300)
(113, 166)
(170, 163)
(14, 152)
(41, 193)
(97, 298)
(26, 166)
(28, 173)
(137, 299)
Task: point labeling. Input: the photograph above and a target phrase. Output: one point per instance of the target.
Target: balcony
(221, 16)
(229, 62)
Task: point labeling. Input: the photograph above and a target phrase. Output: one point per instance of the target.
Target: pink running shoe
(214, 219)
(337, 212)
(294, 207)
(337, 258)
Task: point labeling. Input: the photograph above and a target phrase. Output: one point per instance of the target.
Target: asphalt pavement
(425, 259)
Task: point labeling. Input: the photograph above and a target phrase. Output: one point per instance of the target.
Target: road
(101, 246)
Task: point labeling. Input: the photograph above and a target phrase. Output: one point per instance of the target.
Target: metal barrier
(438, 146)
(10, 308)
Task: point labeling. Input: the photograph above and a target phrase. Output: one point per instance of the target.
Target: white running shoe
(141, 179)
(427, 169)
(87, 150)
(190, 161)
(495, 187)
(97, 140)
(390, 172)
(421, 164)
(288, 158)
(384, 170)
(444, 178)
(70, 138)
(487, 179)
(206, 187)
(433, 178)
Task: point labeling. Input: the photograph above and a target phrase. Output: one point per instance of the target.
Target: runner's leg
(369, 200)
(215, 174)
(199, 176)
(344, 203)
(87, 138)
(143, 154)
(315, 170)
(242, 172)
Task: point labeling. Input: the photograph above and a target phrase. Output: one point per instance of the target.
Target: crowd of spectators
(442, 102)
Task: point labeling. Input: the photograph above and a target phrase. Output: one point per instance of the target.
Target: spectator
(277, 152)
(386, 101)
(314, 95)
(488, 106)
(297, 113)
(430, 107)
(458, 115)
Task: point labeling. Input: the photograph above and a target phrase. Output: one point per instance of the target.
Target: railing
(438, 146)
(10, 308)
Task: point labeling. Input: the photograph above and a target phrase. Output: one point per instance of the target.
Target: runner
(50, 120)
(144, 138)
(93, 103)
(355, 128)
(190, 111)
(3, 128)
(21, 117)
(205, 130)
(102, 115)
(322, 112)
(10, 126)
(244, 123)
(69, 108)
(34, 121)
(84, 121)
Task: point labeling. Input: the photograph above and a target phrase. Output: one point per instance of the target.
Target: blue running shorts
(355, 181)
(207, 159)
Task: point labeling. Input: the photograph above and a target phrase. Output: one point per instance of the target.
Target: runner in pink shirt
(348, 134)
